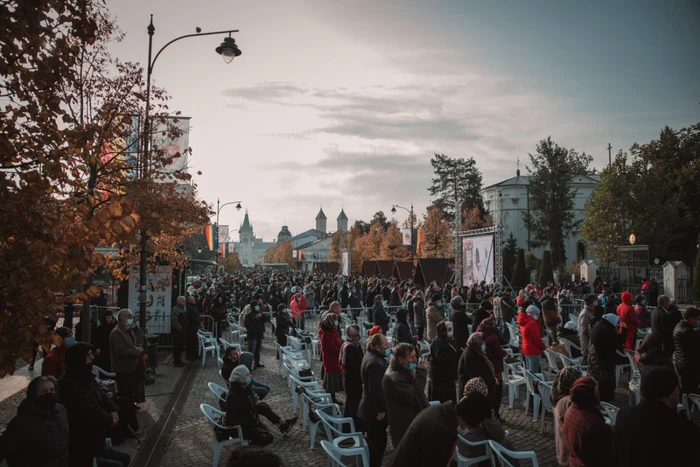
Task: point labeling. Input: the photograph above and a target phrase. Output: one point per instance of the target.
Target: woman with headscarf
(474, 364)
(38, 435)
(605, 341)
(561, 400)
(495, 354)
(442, 369)
(330, 350)
(489, 429)
(628, 320)
(379, 316)
(586, 434)
(350, 361)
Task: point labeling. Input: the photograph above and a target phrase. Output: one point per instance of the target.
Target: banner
(478, 260)
(209, 234)
(175, 148)
(231, 247)
(222, 250)
(406, 235)
(345, 263)
(223, 234)
(420, 241)
(158, 298)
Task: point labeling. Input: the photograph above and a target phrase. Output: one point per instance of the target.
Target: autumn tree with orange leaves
(66, 184)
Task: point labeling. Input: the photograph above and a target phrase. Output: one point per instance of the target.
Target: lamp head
(228, 49)
(393, 209)
(238, 207)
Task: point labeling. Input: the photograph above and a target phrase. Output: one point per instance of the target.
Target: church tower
(245, 236)
(321, 221)
(342, 221)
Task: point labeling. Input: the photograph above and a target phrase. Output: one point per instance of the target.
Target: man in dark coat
(372, 408)
(485, 310)
(255, 328)
(686, 339)
(90, 413)
(402, 331)
(101, 341)
(653, 433)
(460, 321)
(178, 329)
(404, 390)
(125, 354)
(663, 320)
(193, 323)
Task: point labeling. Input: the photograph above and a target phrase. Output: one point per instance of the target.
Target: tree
(552, 216)
(281, 253)
(546, 271)
(696, 275)
(392, 245)
(473, 218)
(362, 226)
(455, 179)
(372, 245)
(626, 200)
(437, 236)
(510, 251)
(520, 276)
(334, 252)
(232, 262)
(380, 217)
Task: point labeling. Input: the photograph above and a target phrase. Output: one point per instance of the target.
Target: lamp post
(228, 50)
(218, 210)
(410, 212)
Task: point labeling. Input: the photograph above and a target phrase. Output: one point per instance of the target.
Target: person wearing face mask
(495, 354)
(442, 369)
(243, 408)
(372, 408)
(255, 327)
(350, 360)
(38, 434)
(404, 389)
(54, 363)
(125, 353)
(91, 414)
(474, 364)
(531, 338)
(330, 349)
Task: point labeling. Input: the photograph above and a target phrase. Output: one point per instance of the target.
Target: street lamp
(218, 210)
(228, 50)
(410, 212)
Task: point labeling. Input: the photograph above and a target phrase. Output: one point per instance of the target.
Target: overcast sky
(344, 103)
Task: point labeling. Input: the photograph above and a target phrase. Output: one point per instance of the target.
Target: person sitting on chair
(232, 358)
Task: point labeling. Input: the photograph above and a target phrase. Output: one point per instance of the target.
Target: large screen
(477, 259)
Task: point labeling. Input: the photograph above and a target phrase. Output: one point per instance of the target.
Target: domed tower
(342, 221)
(321, 221)
(284, 234)
(245, 235)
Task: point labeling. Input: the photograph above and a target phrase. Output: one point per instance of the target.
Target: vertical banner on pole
(209, 234)
(406, 235)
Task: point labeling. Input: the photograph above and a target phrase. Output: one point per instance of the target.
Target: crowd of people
(443, 343)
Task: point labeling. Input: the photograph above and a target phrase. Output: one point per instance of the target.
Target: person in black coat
(381, 319)
(38, 435)
(474, 364)
(663, 320)
(101, 341)
(372, 408)
(444, 357)
(686, 340)
(605, 341)
(460, 322)
(653, 433)
(284, 323)
(193, 324)
(402, 331)
(255, 328)
(484, 311)
(90, 413)
(350, 359)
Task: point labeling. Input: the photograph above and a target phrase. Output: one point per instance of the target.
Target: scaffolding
(497, 232)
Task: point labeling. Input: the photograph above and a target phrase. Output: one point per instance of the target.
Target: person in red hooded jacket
(532, 343)
(330, 350)
(628, 317)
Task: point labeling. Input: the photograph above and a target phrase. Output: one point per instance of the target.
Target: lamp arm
(225, 204)
(153, 63)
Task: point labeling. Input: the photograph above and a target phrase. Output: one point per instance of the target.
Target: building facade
(250, 248)
(509, 200)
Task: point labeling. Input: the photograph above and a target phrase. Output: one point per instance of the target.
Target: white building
(251, 249)
(509, 200)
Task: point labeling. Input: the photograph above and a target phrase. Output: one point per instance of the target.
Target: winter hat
(375, 330)
(532, 310)
(238, 374)
(474, 409)
(63, 332)
(611, 318)
(658, 382)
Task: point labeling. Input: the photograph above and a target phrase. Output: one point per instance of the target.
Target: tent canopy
(403, 270)
(434, 269)
(385, 268)
(369, 268)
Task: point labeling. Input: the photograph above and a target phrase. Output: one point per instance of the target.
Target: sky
(342, 104)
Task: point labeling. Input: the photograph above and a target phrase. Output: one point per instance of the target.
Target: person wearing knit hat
(654, 432)
(244, 408)
(585, 431)
(531, 337)
(606, 340)
(477, 422)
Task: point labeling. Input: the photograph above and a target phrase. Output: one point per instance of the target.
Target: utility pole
(609, 154)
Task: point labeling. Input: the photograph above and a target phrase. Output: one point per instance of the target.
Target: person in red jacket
(298, 306)
(587, 435)
(628, 318)
(531, 337)
(55, 362)
(330, 350)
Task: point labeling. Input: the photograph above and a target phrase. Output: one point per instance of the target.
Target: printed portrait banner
(176, 148)
(406, 235)
(345, 266)
(223, 234)
(158, 299)
(478, 259)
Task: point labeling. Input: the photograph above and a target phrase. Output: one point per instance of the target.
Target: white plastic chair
(620, 368)
(502, 452)
(695, 399)
(683, 405)
(335, 454)
(309, 383)
(552, 365)
(218, 391)
(530, 382)
(513, 380)
(351, 442)
(610, 411)
(210, 412)
(207, 343)
(105, 383)
(463, 461)
(331, 409)
(310, 399)
(569, 347)
(546, 399)
(566, 361)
